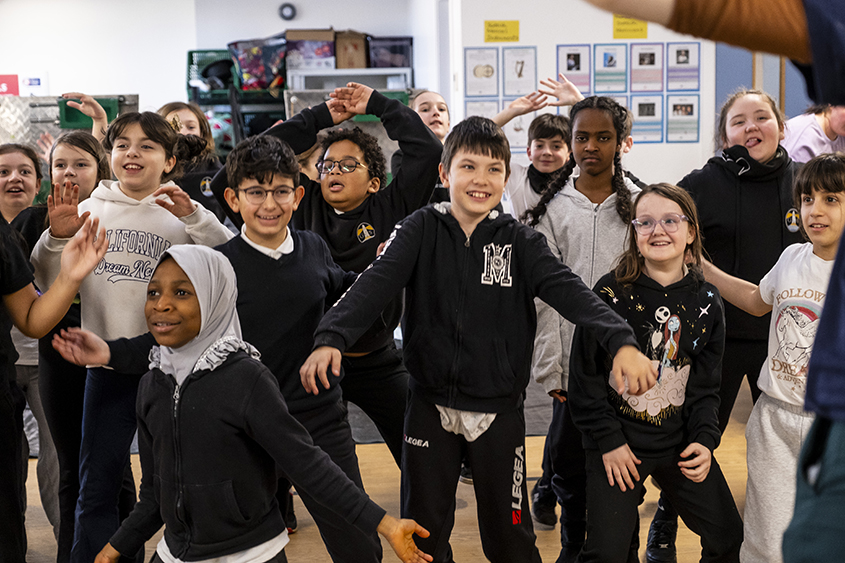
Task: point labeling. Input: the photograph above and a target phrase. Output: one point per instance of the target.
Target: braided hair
(624, 205)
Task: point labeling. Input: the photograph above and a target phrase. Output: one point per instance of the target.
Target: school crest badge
(365, 232)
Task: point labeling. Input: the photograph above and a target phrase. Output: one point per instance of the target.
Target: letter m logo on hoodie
(497, 265)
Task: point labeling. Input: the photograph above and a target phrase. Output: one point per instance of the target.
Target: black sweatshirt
(681, 326)
(209, 454)
(469, 302)
(353, 237)
(742, 209)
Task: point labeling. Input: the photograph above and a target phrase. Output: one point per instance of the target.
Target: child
(146, 153)
(196, 179)
(796, 286)
(745, 200)
(671, 431)
(585, 221)
(471, 275)
(819, 130)
(549, 142)
(206, 394)
(353, 210)
(34, 315)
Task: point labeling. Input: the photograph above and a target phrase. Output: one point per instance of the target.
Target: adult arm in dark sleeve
(701, 404)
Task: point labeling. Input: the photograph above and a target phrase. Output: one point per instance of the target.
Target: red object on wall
(9, 85)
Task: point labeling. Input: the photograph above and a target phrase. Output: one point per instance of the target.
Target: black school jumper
(377, 382)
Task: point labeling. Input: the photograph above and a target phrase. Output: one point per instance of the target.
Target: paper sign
(629, 28)
(682, 119)
(519, 70)
(648, 118)
(573, 61)
(481, 66)
(9, 85)
(501, 31)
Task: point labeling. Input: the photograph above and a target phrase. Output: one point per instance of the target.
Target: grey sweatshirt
(589, 238)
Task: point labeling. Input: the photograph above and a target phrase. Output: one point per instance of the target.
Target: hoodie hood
(109, 190)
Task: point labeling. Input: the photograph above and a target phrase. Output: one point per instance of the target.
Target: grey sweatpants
(775, 433)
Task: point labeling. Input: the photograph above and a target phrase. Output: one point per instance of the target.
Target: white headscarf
(220, 329)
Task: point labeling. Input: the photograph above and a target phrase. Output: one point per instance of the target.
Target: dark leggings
(62, 388)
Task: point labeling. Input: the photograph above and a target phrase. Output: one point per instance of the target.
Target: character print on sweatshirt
(667, 336)
(798, 313)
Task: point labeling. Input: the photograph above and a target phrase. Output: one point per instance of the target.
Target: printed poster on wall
(683, 66)
(648, 118)
(573, 61)
(519, 70)
(517, 128)
(611, 68)
(647, 67)
(481, 69)
(682, 119)
(484, 108)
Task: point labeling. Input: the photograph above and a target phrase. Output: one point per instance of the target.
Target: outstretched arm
(738, 292)
(657, 11)
(400, 535)
(90, 107)
(532, 102)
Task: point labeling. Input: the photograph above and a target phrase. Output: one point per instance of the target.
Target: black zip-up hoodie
(209, 451)
(742, 209)
(469, 303)
(681, 326)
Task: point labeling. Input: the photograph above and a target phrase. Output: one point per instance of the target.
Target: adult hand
(180, 203)
(621, 467)
(697, 466)
(63, 209)
(400, 535)
(81, 347)
(633, 370)
(566, 92)
(316, 365)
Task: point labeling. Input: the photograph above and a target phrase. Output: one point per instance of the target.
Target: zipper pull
(175, 400)
(466, 243)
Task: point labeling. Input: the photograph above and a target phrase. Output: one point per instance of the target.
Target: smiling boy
(470, 276)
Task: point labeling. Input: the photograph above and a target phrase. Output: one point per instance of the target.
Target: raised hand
(81, 347)
(63, 209)
(316, 365)
(534, 101)
(180, 203)
(45, 143)
(338, 111)
(84, 251)
(354, 97)
(566, 92)
(90, 107)
(400, 535)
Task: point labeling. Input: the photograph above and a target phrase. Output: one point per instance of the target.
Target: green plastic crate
(400, 95)
(71, 118)
(197, 61)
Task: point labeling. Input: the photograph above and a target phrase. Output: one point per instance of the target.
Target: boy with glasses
(354, 209)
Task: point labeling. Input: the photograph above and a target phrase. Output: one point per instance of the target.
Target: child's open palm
(180, 203)
(621, 467)
(85, 250)
(566, 92)
(63, 209)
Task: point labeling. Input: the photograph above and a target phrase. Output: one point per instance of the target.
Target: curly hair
(619, 116)
(260, 158)
(205, 129)
(373, 155)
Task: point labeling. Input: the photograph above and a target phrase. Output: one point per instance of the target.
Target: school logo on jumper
(418, 442)
(518, 472)
(792, 220)
(497, 265)
(205, 187)
(365, 232)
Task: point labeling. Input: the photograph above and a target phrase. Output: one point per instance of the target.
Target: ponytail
(186, 149)
(624, 205)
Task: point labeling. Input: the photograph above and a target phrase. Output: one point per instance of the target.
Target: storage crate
(71, 118)
(391, 52)
(197, 61)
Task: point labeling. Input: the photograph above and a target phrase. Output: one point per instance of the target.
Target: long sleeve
(356, 310)
(701, 406)
(131, 355)
(310, 469)
(546, 363)
(145, 519)
(204, 228)
(46, 257)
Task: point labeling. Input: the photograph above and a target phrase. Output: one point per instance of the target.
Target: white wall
(548, 23)
(101, 46)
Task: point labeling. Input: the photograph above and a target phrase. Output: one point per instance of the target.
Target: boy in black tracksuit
(354, 212)
(470, 275)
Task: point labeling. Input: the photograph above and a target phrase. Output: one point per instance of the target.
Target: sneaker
(290, 517)
(661, 542)
(543, 511)
(466, 475)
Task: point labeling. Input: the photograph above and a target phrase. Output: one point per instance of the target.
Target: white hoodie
(589, 238)
(113, 295)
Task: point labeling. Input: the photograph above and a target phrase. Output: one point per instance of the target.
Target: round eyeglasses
(256, 196)
(346, 165)
(671, 222)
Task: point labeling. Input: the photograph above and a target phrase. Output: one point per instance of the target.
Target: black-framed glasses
(256, 196)
(645, 225)
(346, 165)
